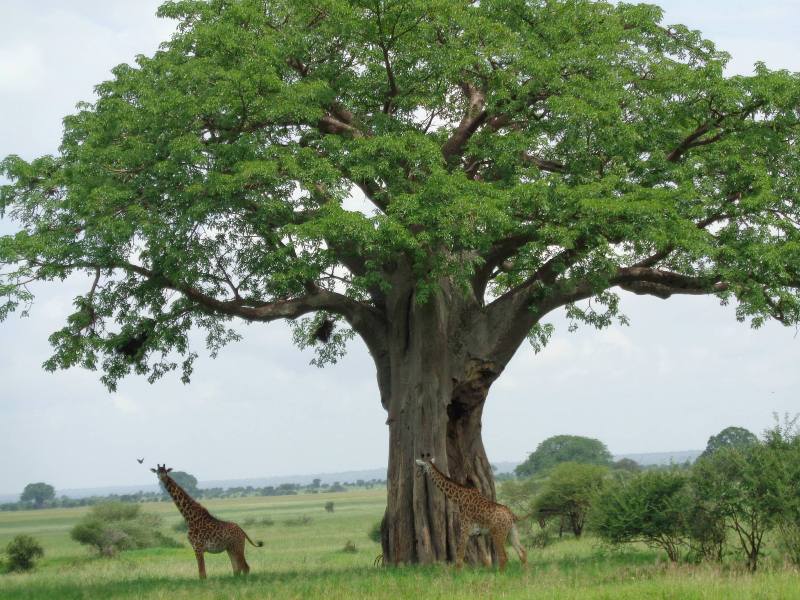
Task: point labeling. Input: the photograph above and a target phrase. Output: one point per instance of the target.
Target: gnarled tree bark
(433, 386)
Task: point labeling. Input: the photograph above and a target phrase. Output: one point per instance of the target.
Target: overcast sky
(682, 371)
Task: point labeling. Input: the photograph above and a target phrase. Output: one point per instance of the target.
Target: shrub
(181, 527)
(650, 507)
(298, 521)
(745, 486)
(568, 494)
(705, 527)
(349, 547)
(789, 540)
(113, 527)
(626, 464)
(329, 507)
(784, 440)
(23, 552)
(267, 521)
(519, 494)
(115, 511)
(536, 536)
(249, 521)
(374, 532)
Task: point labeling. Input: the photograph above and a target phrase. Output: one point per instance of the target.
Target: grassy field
(307, 561)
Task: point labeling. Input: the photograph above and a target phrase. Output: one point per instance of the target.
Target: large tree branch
(474, 117)
(696, 139)
(544, 164)
(657, 257)
(367, 321)
(393, 91)
(501, 251)
(663, 284)
(334, 124)
(691, 140)
(511, 317)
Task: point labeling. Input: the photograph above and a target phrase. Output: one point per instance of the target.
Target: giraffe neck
(188, 506)
(449, 488)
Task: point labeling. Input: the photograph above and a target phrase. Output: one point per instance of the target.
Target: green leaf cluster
(497, 146)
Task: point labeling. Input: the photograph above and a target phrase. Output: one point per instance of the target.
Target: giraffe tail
(256, 544)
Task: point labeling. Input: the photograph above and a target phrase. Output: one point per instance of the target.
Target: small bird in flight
(140, 460)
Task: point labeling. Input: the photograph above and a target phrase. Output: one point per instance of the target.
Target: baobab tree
(517, 157)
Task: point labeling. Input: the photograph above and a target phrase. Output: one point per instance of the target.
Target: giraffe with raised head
(206, 532)
(479, 515)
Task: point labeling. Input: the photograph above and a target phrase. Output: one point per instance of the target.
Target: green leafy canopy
(533, 153)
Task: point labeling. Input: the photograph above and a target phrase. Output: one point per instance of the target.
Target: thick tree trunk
(434, 392)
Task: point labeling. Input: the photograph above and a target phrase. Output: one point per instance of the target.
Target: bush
(181, 527)
(115, 511)
(705, 527)
(23, 552)
(518, 494)
(374, 532)
(267, 521)
(349, 547)
(298, 521)
(745, 486)
(536, 536)
(789, 540)
(249, 521)
(568, 494)
(784, 440)
(650, 508)
(113, 527)
(329, 507)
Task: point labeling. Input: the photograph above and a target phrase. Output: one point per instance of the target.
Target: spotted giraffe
(478, 515)
(206, 532)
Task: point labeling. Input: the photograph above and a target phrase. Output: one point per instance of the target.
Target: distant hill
(648, 459)
(645, 459)
(351, 476)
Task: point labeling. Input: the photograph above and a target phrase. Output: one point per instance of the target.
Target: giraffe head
(425, 461)
(161, 471)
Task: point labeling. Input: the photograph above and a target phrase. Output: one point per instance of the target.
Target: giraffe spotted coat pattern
(478, 515)
(206, 532)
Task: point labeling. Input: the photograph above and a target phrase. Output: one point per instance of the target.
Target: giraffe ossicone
(206, 532)
(478, 514)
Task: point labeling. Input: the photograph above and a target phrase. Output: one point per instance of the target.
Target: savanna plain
(306, 558)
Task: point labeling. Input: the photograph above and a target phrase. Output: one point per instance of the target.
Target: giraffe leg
(499, 539)
(486, 554)
(244, 568)
(514, 535)
(462, 544)
(238, 562)
(201, 562)
(234, 561)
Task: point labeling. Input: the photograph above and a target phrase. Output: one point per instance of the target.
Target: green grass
(308, 561)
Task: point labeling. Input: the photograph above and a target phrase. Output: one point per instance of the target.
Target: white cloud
(124, 404)
(21, 69)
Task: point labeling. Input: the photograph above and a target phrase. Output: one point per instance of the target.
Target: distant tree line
(741, 496)
(41, 495)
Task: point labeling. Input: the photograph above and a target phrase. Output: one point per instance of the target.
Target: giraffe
(478, 515)
(206, 532)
